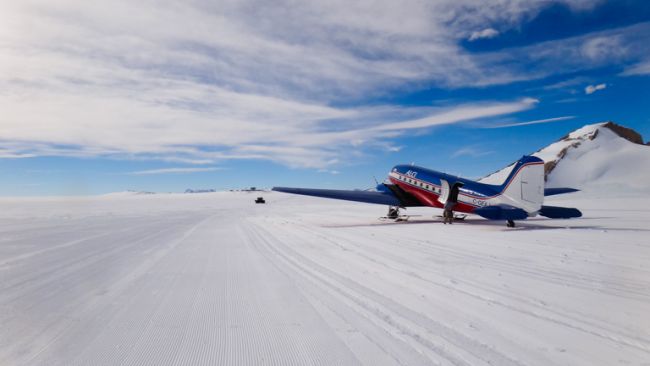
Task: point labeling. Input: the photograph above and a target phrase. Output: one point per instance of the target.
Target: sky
(99, 97)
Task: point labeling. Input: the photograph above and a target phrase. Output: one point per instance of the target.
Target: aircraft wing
(387, 197)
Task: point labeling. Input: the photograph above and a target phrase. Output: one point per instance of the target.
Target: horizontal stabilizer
(555, 191)
(502, 212)
(553, 212)
(380, 198)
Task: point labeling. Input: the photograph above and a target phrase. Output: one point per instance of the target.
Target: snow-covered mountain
(602, 156)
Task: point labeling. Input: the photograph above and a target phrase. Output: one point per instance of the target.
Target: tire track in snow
(402, 319)
(542, 313)
(581, 324)
(218, 301)
(301, 339)
(354, 321)
(628, 289)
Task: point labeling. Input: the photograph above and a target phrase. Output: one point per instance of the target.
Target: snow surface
(213, 279)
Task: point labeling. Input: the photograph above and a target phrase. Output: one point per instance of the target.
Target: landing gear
(510, 223)
(448, 216)
(393, 213)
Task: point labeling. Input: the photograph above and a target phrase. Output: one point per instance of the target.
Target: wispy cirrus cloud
(535, 122)
(471, 151)
(641, 68)
(181, 170)
(568, 84)
(257, 80)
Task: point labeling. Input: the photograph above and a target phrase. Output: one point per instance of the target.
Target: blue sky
(97, 98)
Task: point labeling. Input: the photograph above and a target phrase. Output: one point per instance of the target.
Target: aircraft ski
(518, 197)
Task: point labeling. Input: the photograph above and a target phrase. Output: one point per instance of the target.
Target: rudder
(525, 183)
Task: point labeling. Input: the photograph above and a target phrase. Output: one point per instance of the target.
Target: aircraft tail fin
(525, 183)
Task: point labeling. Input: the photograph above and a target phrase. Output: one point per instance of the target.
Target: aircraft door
(444, 191)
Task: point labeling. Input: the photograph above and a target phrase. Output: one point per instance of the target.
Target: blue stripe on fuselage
(470, 188)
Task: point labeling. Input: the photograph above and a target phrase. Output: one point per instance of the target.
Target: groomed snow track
(213, 279)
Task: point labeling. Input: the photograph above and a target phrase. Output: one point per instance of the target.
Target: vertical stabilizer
(525, 183)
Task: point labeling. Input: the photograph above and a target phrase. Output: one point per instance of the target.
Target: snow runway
(214, 279)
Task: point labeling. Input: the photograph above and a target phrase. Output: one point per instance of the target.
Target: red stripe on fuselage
(429, 198)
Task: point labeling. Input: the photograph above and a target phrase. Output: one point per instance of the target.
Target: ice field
(213, 279)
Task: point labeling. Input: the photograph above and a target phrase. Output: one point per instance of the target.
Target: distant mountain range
(602, 156)
(189, 190)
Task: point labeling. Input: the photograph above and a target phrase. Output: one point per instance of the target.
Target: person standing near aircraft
(448, 213)
(448, 209)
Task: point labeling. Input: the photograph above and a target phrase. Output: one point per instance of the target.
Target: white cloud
(642, 68)
(463, 113)
(182, 170)
(566, 84)
(535, 122)
(590, 89)
(471, 151)
(569, 55)
(333, 172)
(612, 47)
(253, 79)
(485, 33)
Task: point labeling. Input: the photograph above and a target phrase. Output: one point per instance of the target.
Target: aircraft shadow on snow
(528, 226)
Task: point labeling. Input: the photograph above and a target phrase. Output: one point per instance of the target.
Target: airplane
(521, 195)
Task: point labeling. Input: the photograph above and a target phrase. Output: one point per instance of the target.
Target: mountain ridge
(599, 156)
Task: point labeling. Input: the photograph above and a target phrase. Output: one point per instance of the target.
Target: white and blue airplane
(520, 196)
